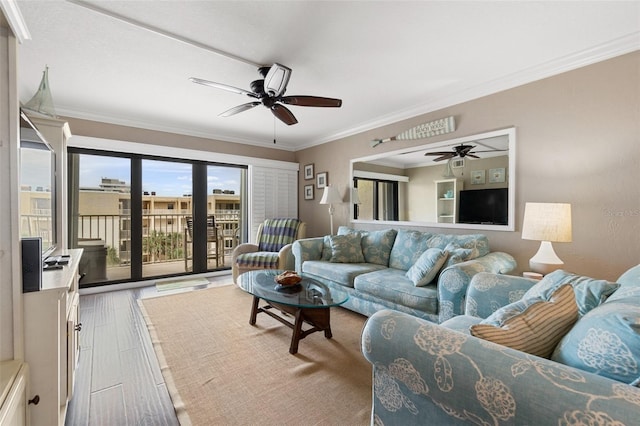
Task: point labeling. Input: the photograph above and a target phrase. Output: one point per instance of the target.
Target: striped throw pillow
(531, 325)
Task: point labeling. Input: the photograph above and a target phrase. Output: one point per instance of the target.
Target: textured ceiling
(386, 60)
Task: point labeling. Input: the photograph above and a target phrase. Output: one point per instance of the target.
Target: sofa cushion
(456, 254)
(533, 325)
(340, 273)
(376, 246)
(346, 249)
(461, 323)
(392, 285)
(427, 266)
(588, 291)
(407, 248)
(258, 259)
(477, 243)
(606, 341)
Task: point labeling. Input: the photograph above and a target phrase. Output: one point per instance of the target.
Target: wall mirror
(466, 183)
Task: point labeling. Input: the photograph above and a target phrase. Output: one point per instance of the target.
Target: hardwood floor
(118, 379)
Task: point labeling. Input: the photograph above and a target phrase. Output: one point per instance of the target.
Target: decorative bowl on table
(288, 278)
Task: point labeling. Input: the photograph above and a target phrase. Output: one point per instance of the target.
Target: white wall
(10, 277)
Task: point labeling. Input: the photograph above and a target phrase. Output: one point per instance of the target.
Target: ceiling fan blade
(445, 157)
(311, 101)
(439, 153)
(491, 150)
(239, 109)
(223, 87)
(470, 155)
(283, 114)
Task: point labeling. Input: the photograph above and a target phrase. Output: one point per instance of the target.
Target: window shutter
(272, 193)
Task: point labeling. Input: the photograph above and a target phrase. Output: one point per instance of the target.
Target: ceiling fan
(459, 151)
(269, 91)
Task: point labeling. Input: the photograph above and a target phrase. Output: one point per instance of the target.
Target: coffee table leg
(297, 330)
(254, 310)
(327, 331)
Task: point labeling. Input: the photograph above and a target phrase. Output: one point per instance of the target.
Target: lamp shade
(330, 196)
(547, 222)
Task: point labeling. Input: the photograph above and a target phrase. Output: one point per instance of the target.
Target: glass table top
(309, 293)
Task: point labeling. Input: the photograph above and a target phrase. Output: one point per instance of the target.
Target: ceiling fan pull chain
(274, 129)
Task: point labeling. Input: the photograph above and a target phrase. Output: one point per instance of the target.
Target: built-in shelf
(447, 199)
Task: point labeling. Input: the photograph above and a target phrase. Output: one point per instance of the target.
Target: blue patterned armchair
(272, 249)
(426, 373)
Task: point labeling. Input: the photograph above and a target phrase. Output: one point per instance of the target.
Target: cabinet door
(73, 345)
(13, 411)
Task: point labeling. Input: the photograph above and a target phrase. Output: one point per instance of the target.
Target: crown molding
(102, 118)
(15, 19)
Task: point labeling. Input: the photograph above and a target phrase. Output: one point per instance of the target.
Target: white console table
(51, 341)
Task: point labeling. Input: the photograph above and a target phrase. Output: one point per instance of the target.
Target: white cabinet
(447, 200)
(51, 341)
(13, 385)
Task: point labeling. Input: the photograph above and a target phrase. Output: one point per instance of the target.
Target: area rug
(221, 370)
(181, 283)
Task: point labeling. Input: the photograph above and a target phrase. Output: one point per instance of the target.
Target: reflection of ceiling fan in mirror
(269, 91)
(460, 151)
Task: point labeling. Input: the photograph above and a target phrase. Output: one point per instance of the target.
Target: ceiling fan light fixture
(276, 80)
(448, 171)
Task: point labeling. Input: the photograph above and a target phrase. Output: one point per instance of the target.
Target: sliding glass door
(100, 215)
(140, 217)
(166, 211)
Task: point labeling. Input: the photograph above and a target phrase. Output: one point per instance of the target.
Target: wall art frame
(322, 180)
(478, 177)
(308, 171)
(497, 175)
(308, 192)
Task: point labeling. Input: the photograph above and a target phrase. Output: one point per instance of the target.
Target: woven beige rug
(222, 371)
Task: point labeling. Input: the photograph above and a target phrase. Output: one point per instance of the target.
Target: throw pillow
(407, 248)
(606, 341)
(427, 266)
(342, 230)
(346, 248)
(589, 292)
(534, 326)
(457, 254)
(376, 246)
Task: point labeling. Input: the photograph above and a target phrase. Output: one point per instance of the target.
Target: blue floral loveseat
(420, 273)
(426, 373)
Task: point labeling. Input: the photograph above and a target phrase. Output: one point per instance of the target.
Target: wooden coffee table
(309, 302)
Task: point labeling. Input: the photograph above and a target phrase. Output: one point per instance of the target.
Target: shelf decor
(496, 175)
(477, 177)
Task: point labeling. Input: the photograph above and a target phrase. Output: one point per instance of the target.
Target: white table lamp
(546, 222)
(331, 196)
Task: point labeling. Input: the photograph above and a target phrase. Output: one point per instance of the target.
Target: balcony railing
(162, 235)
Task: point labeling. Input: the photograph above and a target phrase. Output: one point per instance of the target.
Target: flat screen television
(484, 206)
(37, 186)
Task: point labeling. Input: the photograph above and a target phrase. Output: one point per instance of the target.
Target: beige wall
(133, 134)
(578, 141)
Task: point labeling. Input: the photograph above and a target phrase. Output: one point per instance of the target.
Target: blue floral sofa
(423, 274)
(441, 374)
